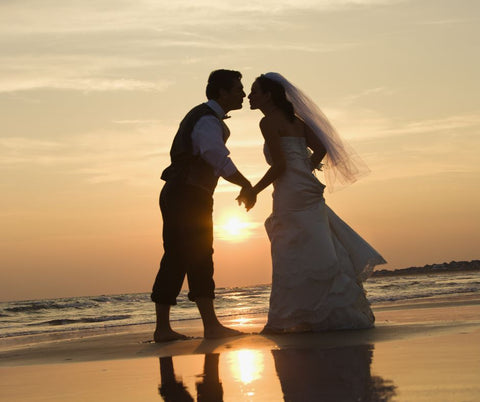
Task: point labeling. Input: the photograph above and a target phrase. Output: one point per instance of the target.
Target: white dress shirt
(208, 141)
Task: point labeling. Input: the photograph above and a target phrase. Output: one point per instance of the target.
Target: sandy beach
(421, 350)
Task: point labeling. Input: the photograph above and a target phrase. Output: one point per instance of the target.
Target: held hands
(248, 197)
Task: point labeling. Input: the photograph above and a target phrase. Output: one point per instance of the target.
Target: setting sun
(233, 227)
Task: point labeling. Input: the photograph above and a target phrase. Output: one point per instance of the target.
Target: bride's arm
(272, 139)
(316, 146)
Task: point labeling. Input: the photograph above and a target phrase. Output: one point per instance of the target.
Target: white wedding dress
(319, 262)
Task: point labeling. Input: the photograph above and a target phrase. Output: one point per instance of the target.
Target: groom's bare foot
(167, 336)
(221, 332)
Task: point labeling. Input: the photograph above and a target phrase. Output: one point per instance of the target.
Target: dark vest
(185, 167)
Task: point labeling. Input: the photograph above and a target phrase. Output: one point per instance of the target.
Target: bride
(319, 262)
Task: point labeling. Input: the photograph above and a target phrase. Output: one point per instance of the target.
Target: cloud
(29, 16)
(451, 21)
(122, 24)
(81, 84)
(421, 148)
(120, 45)
(350, 99)
(137, 122)
(96, 157)
(451, 123)
(16, 151)
(361, 124)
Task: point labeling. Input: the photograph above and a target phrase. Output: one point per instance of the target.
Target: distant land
(453, 266)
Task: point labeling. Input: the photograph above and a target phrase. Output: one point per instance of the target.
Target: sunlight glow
(234, 227)
(242, 320)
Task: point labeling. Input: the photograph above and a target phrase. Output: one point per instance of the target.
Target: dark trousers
(187, 242)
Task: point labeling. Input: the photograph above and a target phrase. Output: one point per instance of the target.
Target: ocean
(67, 316)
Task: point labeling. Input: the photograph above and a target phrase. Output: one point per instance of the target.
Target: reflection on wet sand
(209, 389)
(303, 374)
(337, 374)
(170, 388)
(246, 365)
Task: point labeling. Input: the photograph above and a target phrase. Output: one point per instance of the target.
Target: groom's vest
(185, 167)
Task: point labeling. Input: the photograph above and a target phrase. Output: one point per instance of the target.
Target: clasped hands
(248, 197)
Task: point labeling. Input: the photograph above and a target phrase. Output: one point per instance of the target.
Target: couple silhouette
(319, 262)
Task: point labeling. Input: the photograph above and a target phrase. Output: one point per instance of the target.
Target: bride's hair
(277, 91)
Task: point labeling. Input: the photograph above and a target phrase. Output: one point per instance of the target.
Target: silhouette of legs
(170, 389)
(213, 329)
(163, 330)
(210, 388)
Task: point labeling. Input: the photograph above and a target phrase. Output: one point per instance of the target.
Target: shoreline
(420, 350)
(460, 298)
(394, 320)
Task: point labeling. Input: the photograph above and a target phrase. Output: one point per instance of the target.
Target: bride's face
(257, 97)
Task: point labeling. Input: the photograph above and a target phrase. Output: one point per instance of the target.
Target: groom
(198, 157)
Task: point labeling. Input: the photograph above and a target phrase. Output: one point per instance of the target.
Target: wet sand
(420, 350)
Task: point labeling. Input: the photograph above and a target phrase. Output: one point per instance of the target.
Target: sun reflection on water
(242, 320)
(246, 365)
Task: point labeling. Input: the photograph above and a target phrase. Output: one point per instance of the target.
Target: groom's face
(233, 99)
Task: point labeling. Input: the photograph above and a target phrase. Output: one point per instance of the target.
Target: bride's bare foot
(221, 332)
(167, 336)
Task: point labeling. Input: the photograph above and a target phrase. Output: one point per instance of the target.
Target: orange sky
(91, 94)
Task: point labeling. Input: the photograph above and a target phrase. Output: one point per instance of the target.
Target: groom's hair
(221, 79)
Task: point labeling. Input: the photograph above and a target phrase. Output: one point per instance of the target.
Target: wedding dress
(319, 262)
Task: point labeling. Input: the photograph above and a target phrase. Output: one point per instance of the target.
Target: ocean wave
(62, 330)
(239, 313)
(118, 298)
(68, 321)
(420, 295)
(390, 286)
(252, 291)
(101, 299)
(74, 314)
(38, 306)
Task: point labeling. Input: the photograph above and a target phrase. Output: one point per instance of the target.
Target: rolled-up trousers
(187, 242)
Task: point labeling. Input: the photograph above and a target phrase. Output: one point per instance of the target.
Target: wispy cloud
(53, 48)
(97, 157)
(367, 124)
(137, 122)
(119, 45)
(451, 123)
(366, 93)
(16, 151)
(421, 148)
(81, 84)
(450, 21)
(87, 16)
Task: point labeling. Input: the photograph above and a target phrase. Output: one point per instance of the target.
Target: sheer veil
(341, 164)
